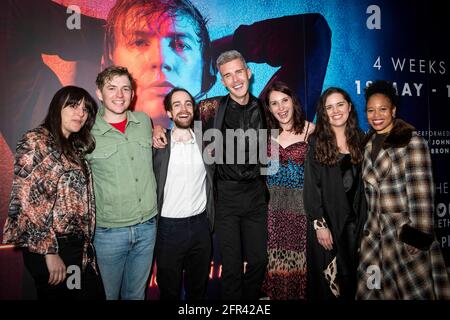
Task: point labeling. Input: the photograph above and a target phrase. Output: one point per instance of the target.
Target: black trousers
(241, 229)
(183, 244)
(71, 252)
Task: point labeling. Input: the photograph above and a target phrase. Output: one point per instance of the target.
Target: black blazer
(211, 112)
(325, 197)
(160, 166)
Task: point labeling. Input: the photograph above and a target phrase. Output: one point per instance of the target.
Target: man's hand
(56, 269)
(159, 137)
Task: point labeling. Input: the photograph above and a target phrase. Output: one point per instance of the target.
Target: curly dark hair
(326, 150)
(385, 88)
(168, 98)
(299, 115)
(78, 143)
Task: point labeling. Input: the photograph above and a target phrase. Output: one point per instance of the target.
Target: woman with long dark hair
(52, 209)
(286, 272)
(334, 198)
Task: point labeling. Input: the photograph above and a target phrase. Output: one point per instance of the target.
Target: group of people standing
(89, 191)
(84, 194)
(351, 214)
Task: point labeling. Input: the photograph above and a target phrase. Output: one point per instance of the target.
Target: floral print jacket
(50, 197)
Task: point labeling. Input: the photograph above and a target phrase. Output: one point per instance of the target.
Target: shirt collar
(192, 141)
(104, 126)
(233, 104)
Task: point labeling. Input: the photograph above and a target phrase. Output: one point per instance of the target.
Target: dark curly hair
(299, 115)
(385, 88)
(168, 98)
(326, 150)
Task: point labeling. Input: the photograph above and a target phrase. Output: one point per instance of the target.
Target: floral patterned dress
(286, 271)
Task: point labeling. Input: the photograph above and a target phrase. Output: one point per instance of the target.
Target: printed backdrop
(46, 44)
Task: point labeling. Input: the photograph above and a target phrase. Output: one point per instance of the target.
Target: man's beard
(185, 124)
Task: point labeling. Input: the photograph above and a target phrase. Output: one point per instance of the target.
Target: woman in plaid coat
(400, 257)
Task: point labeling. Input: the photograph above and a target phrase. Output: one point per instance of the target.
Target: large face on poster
(309, 44)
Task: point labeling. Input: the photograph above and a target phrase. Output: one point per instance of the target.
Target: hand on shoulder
(159, 137)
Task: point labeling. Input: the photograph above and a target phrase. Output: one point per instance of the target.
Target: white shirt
(185, 188)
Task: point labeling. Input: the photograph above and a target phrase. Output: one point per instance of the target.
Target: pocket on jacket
(146, 150)
(104, 152)
(104, 160)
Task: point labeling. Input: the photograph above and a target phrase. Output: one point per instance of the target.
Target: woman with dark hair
(286, 272)
(52, 209)
(400, 256)
(334, 198)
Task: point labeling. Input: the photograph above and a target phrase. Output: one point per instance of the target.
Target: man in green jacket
(125, 188)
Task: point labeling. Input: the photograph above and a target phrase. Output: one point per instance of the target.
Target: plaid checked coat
(400, 192)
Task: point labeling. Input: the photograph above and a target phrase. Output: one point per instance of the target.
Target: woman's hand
(56, 269)
(325, 238)
(411, 250)
(159, 137)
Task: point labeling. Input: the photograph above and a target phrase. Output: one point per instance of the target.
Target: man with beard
(185, 205)
(241, 211)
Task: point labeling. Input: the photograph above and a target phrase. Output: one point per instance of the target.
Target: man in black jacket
(241, 204)
(237, 155)
(185, 205)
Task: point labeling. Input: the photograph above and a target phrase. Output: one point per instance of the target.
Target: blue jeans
(125, 256)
